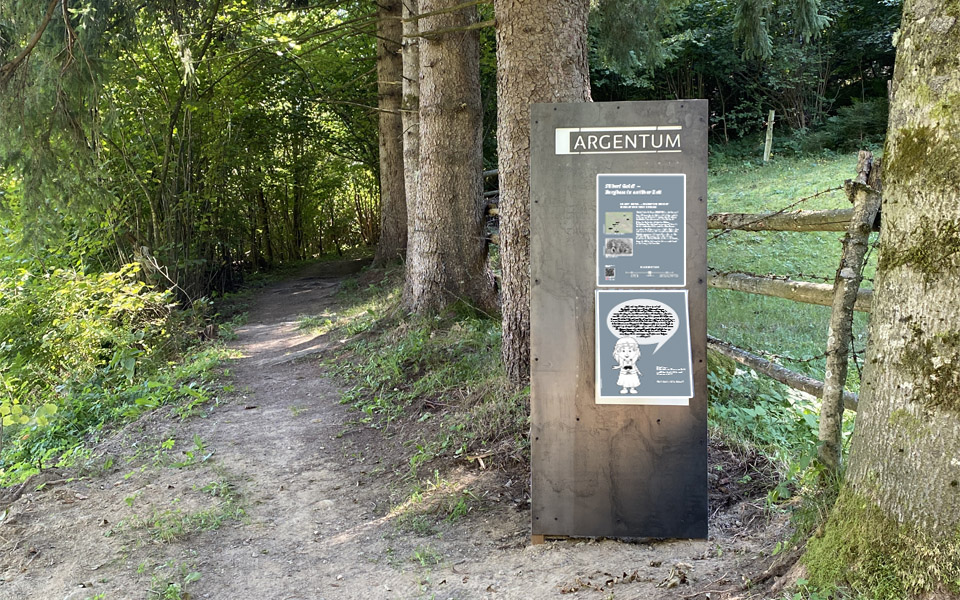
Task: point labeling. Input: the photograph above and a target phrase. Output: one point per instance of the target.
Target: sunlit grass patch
(433, 501)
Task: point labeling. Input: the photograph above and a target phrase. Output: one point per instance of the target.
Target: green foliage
(752, 24)
(170, 580)
(857, 126)
(165, 525)
(168, 525)
(807, 591)
(200, 138)
(64, 324)
(819, 60)
(196, 455)
(432, 501)
(751, 29)
(628, 33)
(757, 412)
(426, 556)
(79, 350)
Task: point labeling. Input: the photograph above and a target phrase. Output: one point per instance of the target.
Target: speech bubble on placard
(647, 321)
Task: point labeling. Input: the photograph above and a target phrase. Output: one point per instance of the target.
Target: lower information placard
(643, 347)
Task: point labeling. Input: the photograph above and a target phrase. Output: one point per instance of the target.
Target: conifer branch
(7, 70)
(444, 11)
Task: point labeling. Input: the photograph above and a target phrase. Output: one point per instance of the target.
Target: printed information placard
(641, 222)
(643, 347)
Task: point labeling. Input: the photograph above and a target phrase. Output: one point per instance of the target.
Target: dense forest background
(208, 139)
(153, 154)
(829, 89)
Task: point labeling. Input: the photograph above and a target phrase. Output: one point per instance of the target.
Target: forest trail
(274, 493)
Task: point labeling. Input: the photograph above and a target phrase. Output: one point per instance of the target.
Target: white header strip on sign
(625, 152)
(646, 128)
(562, 138)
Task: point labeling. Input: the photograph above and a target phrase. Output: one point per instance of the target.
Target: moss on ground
(874, 556)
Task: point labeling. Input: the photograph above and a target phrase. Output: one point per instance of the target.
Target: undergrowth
(82, 350)
(443, 372)
(751, 410)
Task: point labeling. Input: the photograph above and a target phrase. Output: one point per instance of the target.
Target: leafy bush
(754, 411)
(77, 350)
(65, 325)
(859, 125)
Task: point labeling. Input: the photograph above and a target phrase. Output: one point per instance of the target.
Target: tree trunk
(904, 469)
(411, 111)
(265, 223)
(913, 364)
(541, 57)
(446, 261)
(299, 198)
(393, 205)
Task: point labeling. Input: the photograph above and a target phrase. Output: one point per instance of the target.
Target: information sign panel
(643, 348)
(618, 279)
(640, 230)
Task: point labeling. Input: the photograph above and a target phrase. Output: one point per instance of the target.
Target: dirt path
(272, 494)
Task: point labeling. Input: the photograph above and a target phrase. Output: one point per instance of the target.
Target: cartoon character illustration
(627, 351)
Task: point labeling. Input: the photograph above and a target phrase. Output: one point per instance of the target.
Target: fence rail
(790, 289)
(800, 220)
(797, 381)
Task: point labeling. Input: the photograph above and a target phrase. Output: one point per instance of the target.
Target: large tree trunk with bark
(913, 366)
(899, 511)
(411, 109)
(541, 57)
(446, 261)
(393, 204)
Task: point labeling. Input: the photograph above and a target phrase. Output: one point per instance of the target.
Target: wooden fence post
(864, 192)
(768, 146)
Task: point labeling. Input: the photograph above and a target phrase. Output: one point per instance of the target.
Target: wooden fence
(844, 296)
